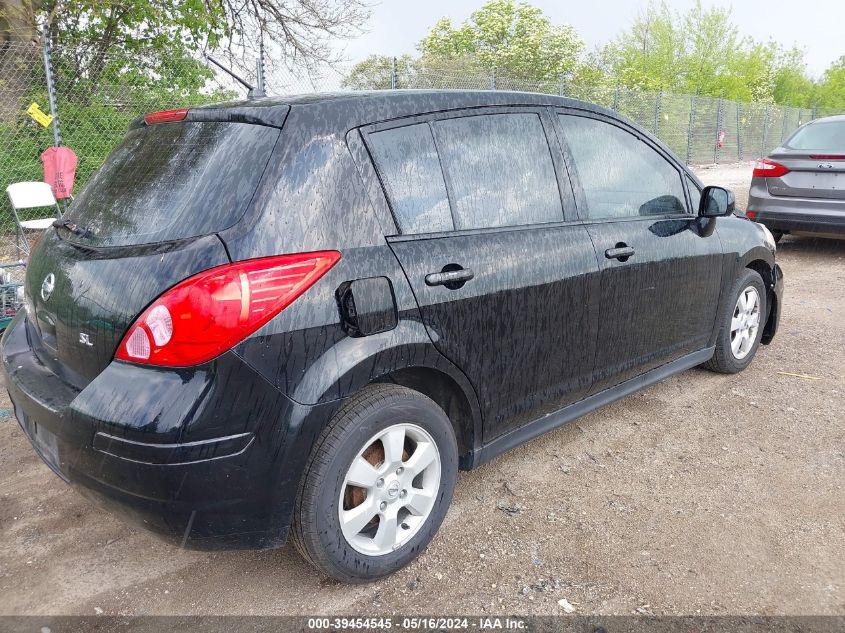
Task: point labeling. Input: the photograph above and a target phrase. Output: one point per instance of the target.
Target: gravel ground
(702, 494)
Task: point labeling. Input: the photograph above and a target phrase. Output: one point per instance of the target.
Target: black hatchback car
(304, 315)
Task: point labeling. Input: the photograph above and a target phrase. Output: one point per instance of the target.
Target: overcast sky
(816, 25)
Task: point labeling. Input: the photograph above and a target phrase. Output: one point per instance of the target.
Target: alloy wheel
(745, 322)
(389, 489)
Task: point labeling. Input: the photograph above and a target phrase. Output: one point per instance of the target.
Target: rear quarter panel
(313, 198)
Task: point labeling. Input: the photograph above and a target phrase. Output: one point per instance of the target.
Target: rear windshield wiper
(80, 231)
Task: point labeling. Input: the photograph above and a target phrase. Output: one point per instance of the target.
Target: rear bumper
(207, 457)
(809, 215)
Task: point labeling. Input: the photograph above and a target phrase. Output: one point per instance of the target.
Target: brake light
(751, 214)
(166, 116)
(765, 168)
(203, 316)
(827, 156)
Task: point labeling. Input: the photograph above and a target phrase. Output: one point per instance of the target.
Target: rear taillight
(751, 214)
(765, 168)
(206, 314)
(827, 156)
(166, 116)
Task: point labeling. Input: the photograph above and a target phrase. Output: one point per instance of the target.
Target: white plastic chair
(31, 195)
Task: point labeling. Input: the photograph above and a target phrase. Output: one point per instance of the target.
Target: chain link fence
(97, 96)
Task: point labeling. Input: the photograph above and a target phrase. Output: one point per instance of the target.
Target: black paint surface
(532, 324)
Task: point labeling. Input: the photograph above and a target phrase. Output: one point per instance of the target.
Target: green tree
(651, 54)
(791, 83)
(515, 39)
(702, 52)
(375, 73)
(831, 90)
(712, 47)
(301, 31)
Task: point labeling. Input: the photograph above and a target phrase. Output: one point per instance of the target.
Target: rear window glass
(172, 181)
(824, 135)
(407, 161)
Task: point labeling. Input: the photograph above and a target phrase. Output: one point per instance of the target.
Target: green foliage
(374, 72)
(791, 85)
(517, 40)
(831, 92)
(650, 56)
(699, 52)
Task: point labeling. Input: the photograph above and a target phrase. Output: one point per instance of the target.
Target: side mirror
(716, 202)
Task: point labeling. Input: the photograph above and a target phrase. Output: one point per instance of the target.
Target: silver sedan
(800, 187)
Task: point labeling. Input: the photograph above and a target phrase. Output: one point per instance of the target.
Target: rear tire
(741, 325)
(777, 235)
(377, 485)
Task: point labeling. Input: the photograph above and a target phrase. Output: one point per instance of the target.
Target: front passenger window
(621, 175)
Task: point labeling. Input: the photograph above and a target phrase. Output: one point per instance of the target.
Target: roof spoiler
(271, 116)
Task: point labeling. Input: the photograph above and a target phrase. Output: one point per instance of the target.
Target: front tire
(377, 485)
(742, 322)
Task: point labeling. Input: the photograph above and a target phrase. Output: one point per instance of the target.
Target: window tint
(694, 194)
(500, 170)
(621, 175)
(410, 169)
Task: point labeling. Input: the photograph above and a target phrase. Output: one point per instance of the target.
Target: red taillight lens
(751, 214)
(206, 314)
(166, 116)
(765, 168)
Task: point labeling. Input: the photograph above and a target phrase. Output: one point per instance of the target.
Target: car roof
(828, 119)
(372, 105)
(342, 111)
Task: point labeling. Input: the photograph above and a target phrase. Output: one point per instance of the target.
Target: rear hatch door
(146, 221)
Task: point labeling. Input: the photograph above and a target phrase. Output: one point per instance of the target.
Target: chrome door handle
(620, 252)
(449, 277)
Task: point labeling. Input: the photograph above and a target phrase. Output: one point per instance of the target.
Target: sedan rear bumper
(811, 215)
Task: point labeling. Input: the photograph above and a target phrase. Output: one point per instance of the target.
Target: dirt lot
(703, 494)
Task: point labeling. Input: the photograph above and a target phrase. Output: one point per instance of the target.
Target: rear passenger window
(500, 170)
(410, 170)
(621, 175)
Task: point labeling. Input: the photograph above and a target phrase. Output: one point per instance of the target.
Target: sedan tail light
(207, 314)
(765, 168)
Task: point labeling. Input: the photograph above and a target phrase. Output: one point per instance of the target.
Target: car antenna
(256, 91)
(238, 78)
